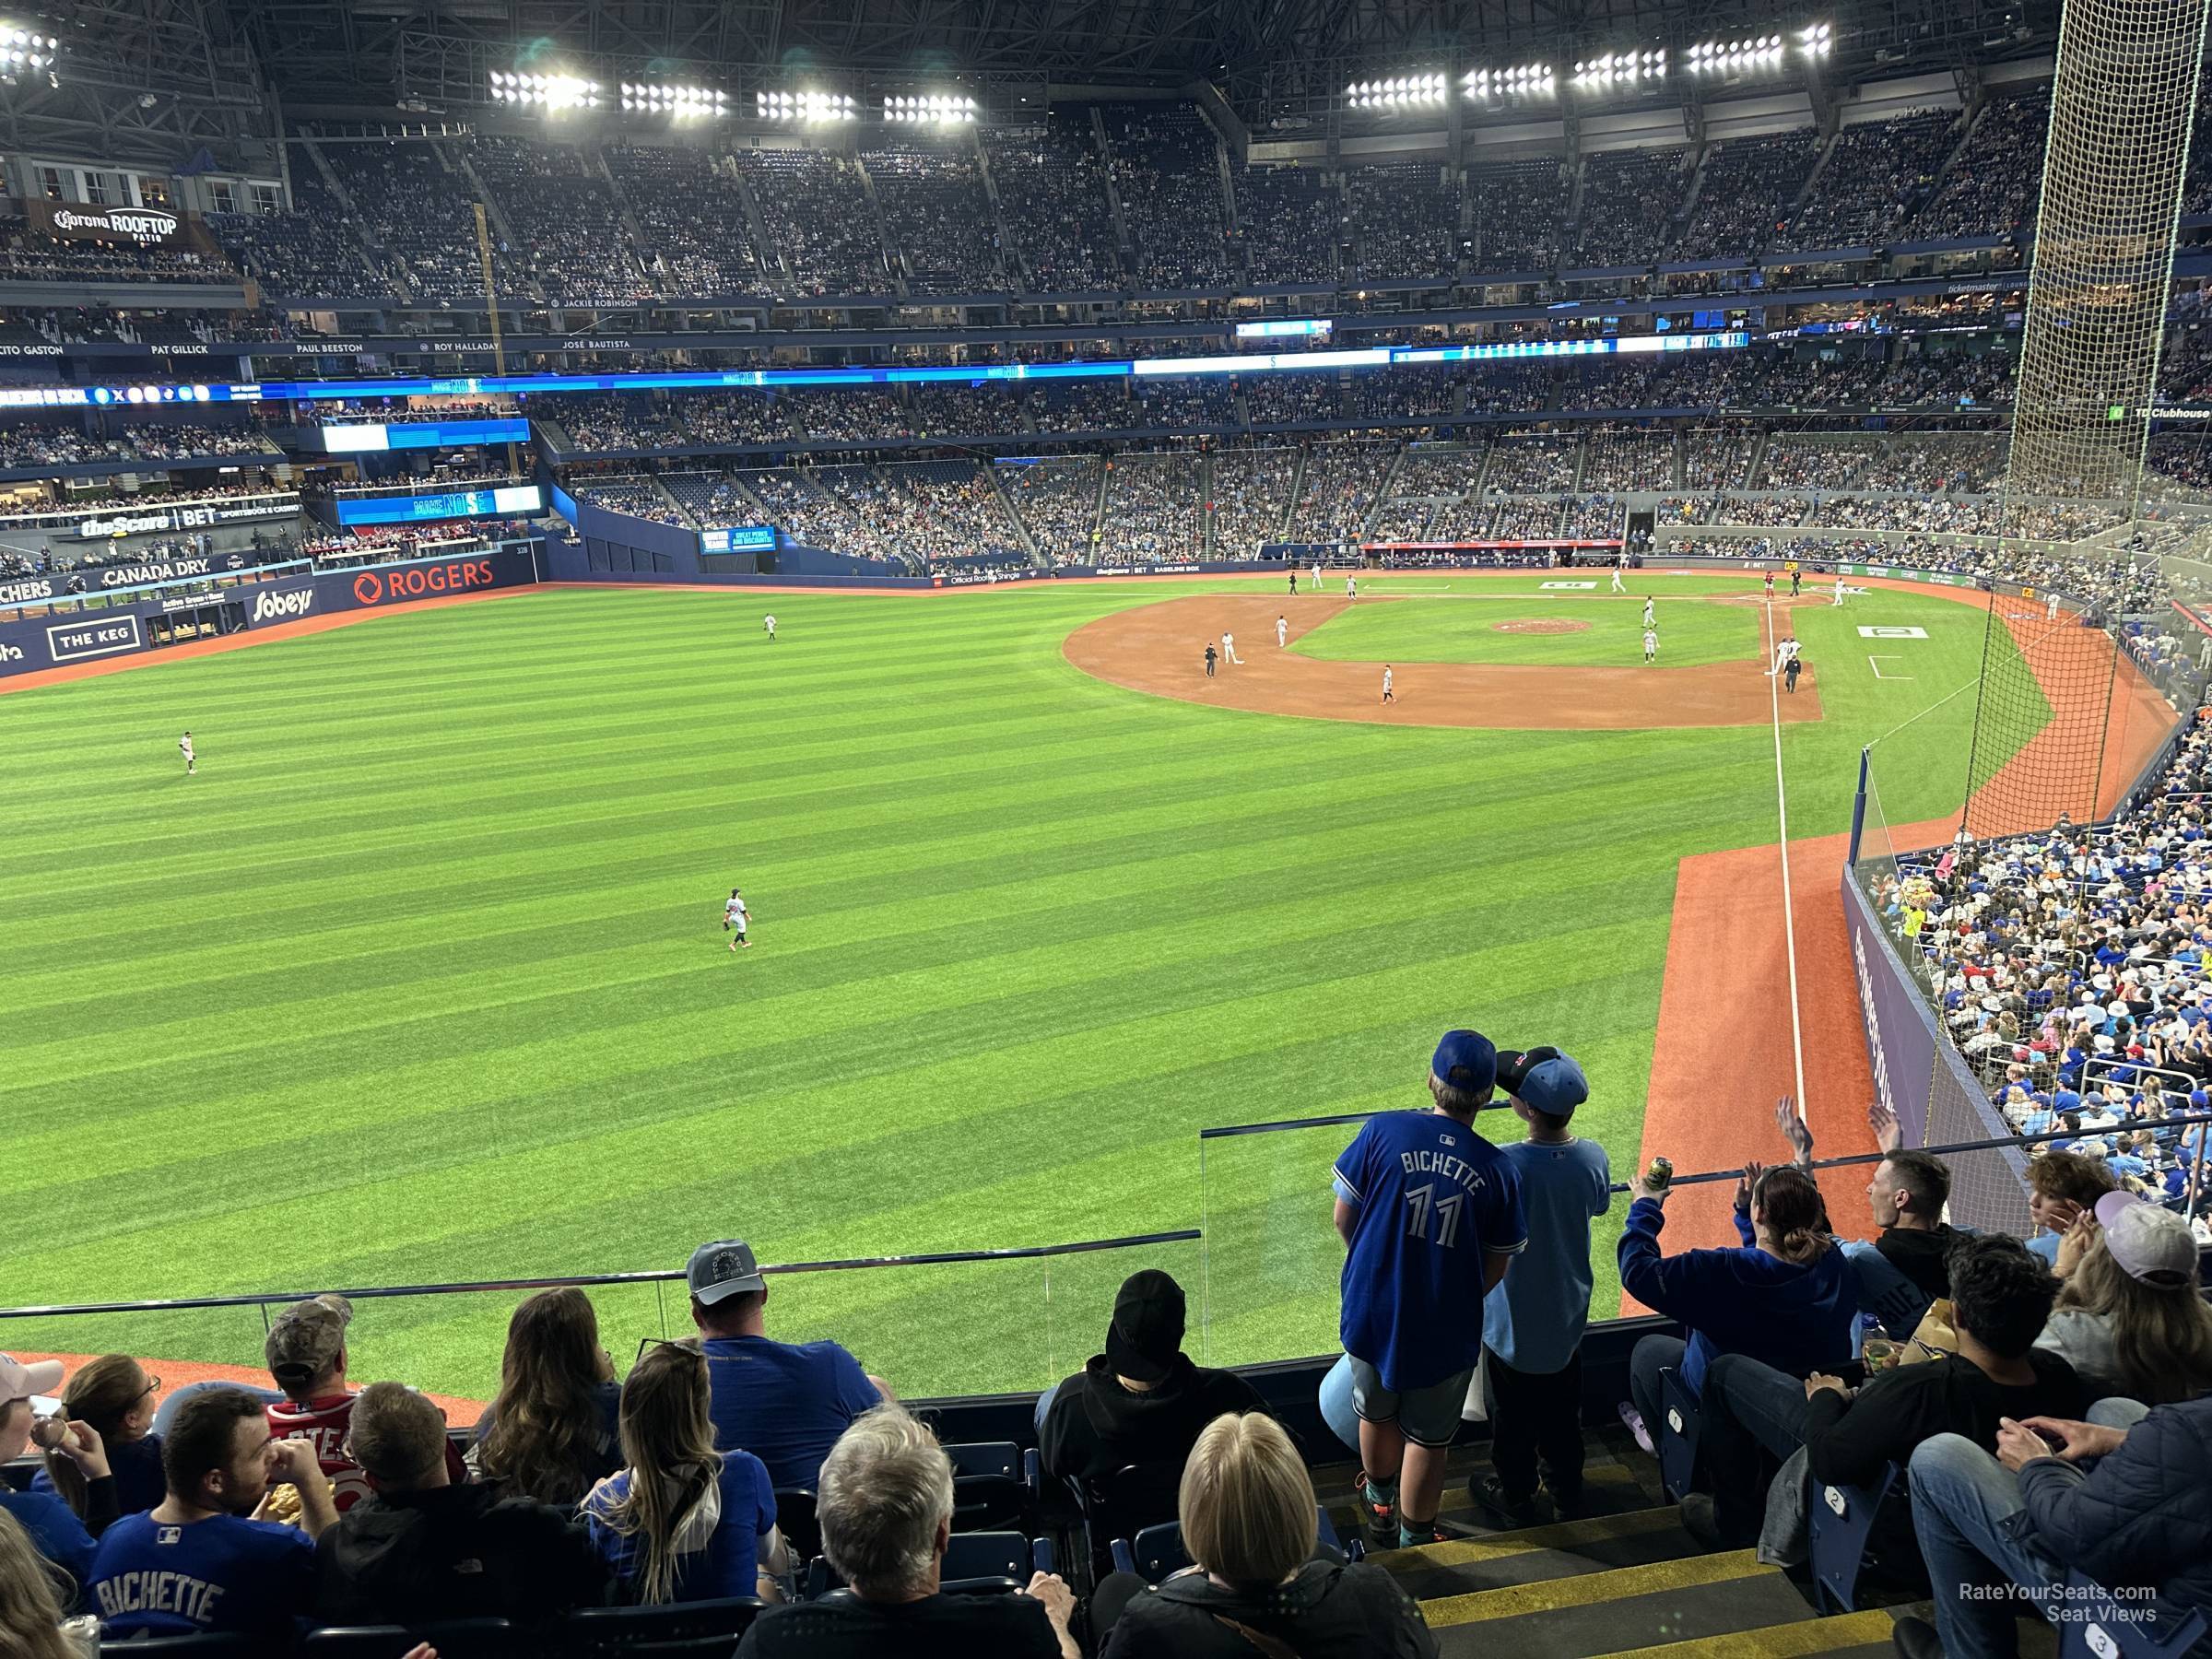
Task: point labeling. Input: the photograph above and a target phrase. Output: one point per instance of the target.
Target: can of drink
(1660, 1172)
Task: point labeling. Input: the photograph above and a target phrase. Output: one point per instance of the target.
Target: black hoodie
(1095, 1426)
(454, 1552)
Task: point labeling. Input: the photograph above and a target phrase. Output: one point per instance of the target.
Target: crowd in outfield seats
(1051, 185)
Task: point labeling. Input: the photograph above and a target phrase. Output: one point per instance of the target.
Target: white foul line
(1789, 912)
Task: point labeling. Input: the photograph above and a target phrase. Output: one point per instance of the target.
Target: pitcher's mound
(1540, 624)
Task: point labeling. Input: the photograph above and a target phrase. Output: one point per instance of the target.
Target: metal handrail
(654, 1276)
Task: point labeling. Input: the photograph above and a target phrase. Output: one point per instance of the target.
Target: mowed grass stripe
(422, 979)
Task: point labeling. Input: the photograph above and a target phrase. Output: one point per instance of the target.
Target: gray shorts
(1426, 1417)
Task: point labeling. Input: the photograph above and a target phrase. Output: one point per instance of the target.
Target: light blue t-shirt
(1534, 1319)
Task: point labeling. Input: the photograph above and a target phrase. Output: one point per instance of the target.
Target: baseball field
(422, 977)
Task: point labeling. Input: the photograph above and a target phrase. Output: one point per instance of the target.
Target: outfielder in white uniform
(2050, 608)
(192, 761)
(1387, 695)
(1651, 618)
(735, 920)
(1650, 644)
(1317, 575)
(1619, 586)
(1351, 587)
(769, 623)
(1229, 646)
(1282, 633)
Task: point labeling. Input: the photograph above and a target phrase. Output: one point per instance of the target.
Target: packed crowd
(692, 213)
(1290, 220)
(1051, 185)
(937, 217)
(1166, 170)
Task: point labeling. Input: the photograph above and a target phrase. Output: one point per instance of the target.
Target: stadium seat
(455, 1639)
(1679, 1425)
(209, 1646)
(979, 1563)
(2097, 1627)
(1840, 1520)
(684, 1628)
(1157, 1551)
(794, 1519)
(988, 1490)
(1123, 1503)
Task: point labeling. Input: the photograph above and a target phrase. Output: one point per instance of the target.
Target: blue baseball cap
(1556, 1085)
(1465, 1060)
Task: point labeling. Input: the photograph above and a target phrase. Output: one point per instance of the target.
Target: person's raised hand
(1889, 1133)
(1744, 1183)
(293, 1461)
(81, 1446)
(1793, 1129)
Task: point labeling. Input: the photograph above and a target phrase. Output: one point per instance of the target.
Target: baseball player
(1769, 587)
(1282, 633)
(1351, 587)
(1785, 652)
(1797, 580)
(733, 919)
(2050, 608)
(769, 623)
(1619, 586)
(1293, 581)
(1650, 644)
(192, 761)
(1388, 696)
(1228, 647)
(1651, 617)
(1789, 675)
(1316, 584)
(1839, 598)
(1209, 659)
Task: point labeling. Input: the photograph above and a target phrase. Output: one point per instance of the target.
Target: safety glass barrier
(1274, 1262)
(965, 1323)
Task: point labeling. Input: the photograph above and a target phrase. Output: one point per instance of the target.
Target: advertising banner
(76, 221)
(522, 499)
(380, 585)
(1901, 1036)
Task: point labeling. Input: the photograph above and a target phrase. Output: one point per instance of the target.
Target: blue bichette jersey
(1434, 1200)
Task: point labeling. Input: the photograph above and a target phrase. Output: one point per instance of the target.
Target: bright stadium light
(934, 109)
(1621, 69)
(805, 105)
(1734, 57)
(1397, 93)
(547, 91)
(653, 98)
(1815, 41)
(20, 48)
(1523, 80)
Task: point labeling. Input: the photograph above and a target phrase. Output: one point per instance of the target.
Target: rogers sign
(419, 582)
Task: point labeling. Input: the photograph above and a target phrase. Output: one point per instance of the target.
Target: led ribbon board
(525, 499)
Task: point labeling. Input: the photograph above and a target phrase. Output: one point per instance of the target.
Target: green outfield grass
(422, 977)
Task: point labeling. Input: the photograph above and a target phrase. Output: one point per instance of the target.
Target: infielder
(1282, 633)
(1351, 587)
(1650, 644)
(1651, 617)
(1839, 598)
(2050, 614)
(1229, 646)
(1316, 588)
(1387, 695)
(1785, 652)
(733, 919)
(769, 623)
(192, 761)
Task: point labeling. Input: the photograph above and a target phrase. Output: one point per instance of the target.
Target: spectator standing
(422, 1549)
(2130, 1316)
(885, 1506)
(56, 1530)
(1431, 1216)
(682, 1522)
(553, 1431)
(2001, 1296)
(197, 1560)
(31, 1606)
(1533, 1322)
(306, 1357)
(1786, 1297)
(786, 1404)
(1260, 1583)
(114, 1398)
(1142, 1401)
(2125, 1498)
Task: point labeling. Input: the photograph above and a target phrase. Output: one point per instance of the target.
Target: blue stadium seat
(1123, 1503)
(1157, 1551)
(794, 1519)
(1678, 1425)
(988, 1488)
(979, 1563)
(684, 1628)
(2098, 1627)
(455, 1639)
(1843, 1517)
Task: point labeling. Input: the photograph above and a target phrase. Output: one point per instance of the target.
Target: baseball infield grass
(422, 979)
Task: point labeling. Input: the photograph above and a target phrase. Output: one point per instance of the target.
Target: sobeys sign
(76, 221)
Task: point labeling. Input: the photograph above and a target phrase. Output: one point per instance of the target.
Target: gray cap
(306, 1338)
(723, 1269)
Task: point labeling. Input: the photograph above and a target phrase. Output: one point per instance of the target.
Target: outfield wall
(89, 627)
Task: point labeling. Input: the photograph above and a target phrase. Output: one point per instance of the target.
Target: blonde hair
(31, 1608)
(668, 1443)
(2161, 1334)
(885, 1489)
(1247, 1502)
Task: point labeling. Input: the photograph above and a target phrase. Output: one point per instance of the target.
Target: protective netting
(2120, 113)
